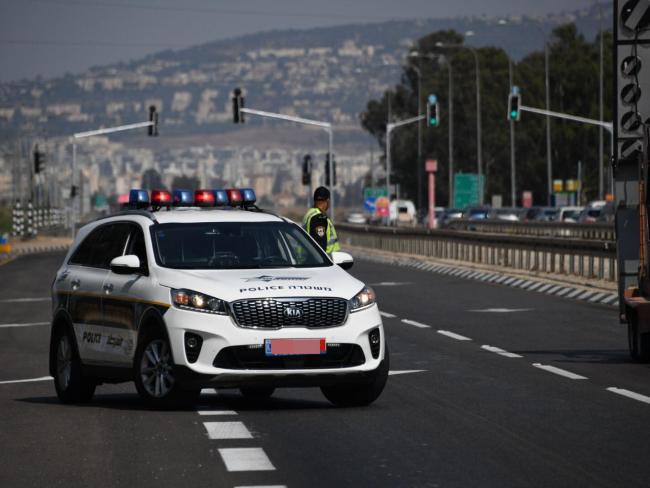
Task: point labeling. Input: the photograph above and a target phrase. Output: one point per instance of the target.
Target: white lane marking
(629, 394)
(553, 290)
(391, 283)
(502, 310)
(406, 371)
(416, 324)
(609, 299)
(517, 282)
(262, 486)
(526, 284)
(502, 279)
(494, 278)
(509, 280)
(23, 300)
(563, 291)
(208, 391)
(28, 380)
(487, 277)
(387, 315)
(561, 372)
(501, 352)
(453, 335)
(216, 412)
(227, 430)
(585, 295)
(246, 459)
(544, 288)
(29, 324)
(575, 293)
(597, 297)
(535, 286)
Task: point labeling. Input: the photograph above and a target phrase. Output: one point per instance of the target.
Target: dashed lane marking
(416, 324)
(216, 412)
(387, 315)
(501, 352)
(227, 430)
(29, 324)
(246, 459)
(208, 391)
(559, 371)
(262, 486)
(405, 371)
(629, 394)
(23, 300)
(501, 310)
(391, 283)
(453, 335)
(28, 380)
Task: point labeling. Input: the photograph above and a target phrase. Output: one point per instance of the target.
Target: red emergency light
(204, 198)
(160, 198)
(234, 196)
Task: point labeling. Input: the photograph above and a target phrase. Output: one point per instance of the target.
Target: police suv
(191, 290)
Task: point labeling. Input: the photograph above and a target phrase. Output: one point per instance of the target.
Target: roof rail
(143, 213)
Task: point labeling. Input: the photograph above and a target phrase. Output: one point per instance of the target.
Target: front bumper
(219, 332)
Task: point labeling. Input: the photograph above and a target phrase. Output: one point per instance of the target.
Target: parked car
(476, 213)
(569, 214)
(356, 218)
(448, 215)
(509, 214)
(592, 212)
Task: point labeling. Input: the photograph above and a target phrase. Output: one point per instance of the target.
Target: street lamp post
(479, 157)
(418, 164)
(513, 182)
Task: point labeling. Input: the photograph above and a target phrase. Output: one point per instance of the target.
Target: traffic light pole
(91, 133)
(390, 127)
(327, 126)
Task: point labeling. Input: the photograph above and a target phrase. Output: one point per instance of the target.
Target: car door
(125, 301)
(93, 338)
(84, 280)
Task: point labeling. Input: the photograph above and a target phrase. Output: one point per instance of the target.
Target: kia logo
(292, 313)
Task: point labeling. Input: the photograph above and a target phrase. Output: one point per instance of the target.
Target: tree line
(574, 89)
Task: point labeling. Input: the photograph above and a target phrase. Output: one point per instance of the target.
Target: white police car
(178, 297)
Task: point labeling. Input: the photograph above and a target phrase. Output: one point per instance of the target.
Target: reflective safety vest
(325, 233)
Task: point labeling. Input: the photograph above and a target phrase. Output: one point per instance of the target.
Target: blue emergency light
(220, 198)
(248, 196)
(138, 198)
(183, 198)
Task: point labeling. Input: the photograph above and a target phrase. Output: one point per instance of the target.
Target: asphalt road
(463, 416)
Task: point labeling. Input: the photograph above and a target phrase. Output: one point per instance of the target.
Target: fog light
(374, 338)
(193, 343)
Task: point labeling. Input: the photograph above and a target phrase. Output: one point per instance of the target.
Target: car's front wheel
(70, 384)
(154, 374)
(360, 394)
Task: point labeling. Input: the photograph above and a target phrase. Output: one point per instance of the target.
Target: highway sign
(466, 189)
(370, 195)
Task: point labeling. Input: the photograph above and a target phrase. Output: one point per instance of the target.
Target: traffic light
(39, 160)
(153, 117)
(433, 111)
(237, 105)
(306, 170)
(327, 169)
(514, 103)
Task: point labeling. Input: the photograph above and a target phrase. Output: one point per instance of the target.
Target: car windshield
(235, 245)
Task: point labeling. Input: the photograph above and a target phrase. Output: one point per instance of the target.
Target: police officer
(318, 225)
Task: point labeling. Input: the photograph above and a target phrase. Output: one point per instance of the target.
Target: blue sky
(51, 37)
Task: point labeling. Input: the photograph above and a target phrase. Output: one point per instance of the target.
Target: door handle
(108, 287)
(75, 283)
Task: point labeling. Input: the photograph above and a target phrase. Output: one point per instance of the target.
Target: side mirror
(129, 264)
(343, 259)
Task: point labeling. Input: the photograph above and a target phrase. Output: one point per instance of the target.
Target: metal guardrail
(585, 258)
(602, 232)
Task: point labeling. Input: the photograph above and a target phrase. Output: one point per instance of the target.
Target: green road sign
(466, 189)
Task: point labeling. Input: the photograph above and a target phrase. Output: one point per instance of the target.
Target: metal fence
(601, 232)
(585, 258)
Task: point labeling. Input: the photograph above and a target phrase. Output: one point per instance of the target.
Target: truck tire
(638, 341)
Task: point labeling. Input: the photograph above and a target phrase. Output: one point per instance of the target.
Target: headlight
(198, 302)
(363, 299)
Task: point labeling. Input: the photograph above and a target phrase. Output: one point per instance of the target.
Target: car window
(137, 246)
(234, 245)
(83, 255)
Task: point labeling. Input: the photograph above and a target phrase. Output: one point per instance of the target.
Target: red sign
(431, 165)
(527, 199)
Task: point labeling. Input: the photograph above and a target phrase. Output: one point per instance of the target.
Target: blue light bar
(248, 195)
(138, 198)
(220, 198)
(183, 198)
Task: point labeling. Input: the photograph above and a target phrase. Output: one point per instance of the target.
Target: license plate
(290, 347)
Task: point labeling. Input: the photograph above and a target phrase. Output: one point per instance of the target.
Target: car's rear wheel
(70, 384)
(257, 392)
(360, 394)
(154, 374)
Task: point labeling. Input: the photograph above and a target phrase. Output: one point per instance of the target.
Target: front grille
(272, 313)
(254, 357)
